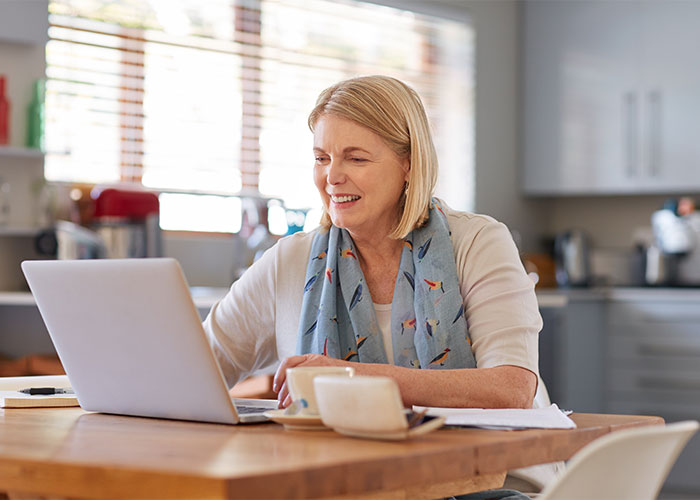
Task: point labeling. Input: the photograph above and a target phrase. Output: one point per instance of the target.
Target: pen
(34, 391)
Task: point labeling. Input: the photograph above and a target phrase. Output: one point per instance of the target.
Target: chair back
(628, 464)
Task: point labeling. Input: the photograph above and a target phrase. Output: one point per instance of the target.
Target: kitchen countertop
(551, 299)
(204, 297)
(16, 299)
(657, 294)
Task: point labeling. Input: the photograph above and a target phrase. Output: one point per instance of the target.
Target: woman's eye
(358, 160)
(319, 159)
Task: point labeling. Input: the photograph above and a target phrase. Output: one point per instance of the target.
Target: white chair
(628, 464)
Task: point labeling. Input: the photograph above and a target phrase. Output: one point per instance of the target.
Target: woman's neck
(373, 251)
(380, 262)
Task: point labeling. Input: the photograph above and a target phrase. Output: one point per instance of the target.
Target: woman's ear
(406, 165)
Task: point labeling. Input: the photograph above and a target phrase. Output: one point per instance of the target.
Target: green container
(35, 117)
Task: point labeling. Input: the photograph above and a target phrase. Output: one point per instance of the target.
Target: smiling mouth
(344, 199)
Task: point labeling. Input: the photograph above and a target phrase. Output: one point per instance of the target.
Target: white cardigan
(256, 324)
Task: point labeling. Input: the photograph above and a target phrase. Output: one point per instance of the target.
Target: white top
(256, 324)
(383, 312)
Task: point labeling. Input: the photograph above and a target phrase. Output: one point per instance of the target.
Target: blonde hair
(392, 110)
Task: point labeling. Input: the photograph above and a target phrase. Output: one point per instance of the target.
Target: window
(207, 100)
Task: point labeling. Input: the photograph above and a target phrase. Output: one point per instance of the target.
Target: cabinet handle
(629, 132)
(654, 133)
(667, 350)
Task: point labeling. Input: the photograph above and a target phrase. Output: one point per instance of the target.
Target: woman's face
(359, 177)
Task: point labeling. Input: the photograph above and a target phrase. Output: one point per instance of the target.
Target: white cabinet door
(581, 104)
(24, 21)
(671, 131)
(611, 99)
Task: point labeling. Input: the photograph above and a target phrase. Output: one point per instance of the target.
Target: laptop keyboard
(247, 410)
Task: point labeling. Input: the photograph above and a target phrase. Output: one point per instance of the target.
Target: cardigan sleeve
(241, 326)
(500, 302)
(256, 323)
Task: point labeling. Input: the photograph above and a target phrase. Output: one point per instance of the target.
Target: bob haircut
(392, 110)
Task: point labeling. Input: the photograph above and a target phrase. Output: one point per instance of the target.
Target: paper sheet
(539, 418)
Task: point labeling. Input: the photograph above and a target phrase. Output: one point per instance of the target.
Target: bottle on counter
(4, 114)
(35, 117)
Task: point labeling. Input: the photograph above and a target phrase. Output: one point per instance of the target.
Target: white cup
(300, 383)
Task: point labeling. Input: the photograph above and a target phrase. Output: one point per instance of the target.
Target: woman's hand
(279, 384)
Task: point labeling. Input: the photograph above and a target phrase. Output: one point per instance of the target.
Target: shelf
(18, 231)
(17, 299)
(17, 152)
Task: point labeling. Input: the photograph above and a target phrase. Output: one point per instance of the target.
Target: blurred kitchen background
(178, 128)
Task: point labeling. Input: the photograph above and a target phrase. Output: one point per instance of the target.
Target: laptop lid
(130, 339)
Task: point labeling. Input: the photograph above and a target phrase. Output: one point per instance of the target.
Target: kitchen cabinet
(671, 78)
(611, 97)
(653, 359)
(629, 351)
(571, 346)
(24, 22)
(22, 331)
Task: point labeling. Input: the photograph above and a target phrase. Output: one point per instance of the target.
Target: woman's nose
(335, 173)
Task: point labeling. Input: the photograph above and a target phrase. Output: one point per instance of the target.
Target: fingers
(281, 374)
(283, 398)
(279, 383)
(280, 377)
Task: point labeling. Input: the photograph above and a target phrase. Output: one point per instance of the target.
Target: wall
(207, 261)
(611, 221)
(497, 118)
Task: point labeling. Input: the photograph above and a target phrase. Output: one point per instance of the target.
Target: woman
(394, 283)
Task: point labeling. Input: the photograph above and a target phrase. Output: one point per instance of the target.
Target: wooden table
(67, 452)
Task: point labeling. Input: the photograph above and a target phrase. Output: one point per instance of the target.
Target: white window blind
(211, 97)
(142, 104)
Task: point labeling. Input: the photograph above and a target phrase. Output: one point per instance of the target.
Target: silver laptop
(131, 341)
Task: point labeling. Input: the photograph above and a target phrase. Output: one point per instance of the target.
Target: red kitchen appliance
(128, 221)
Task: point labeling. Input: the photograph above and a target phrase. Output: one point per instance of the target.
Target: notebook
(16, 399)
(131, 340)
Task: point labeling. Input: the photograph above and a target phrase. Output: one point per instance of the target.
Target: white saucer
(296, 422)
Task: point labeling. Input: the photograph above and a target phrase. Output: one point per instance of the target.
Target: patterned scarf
(428, 326)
